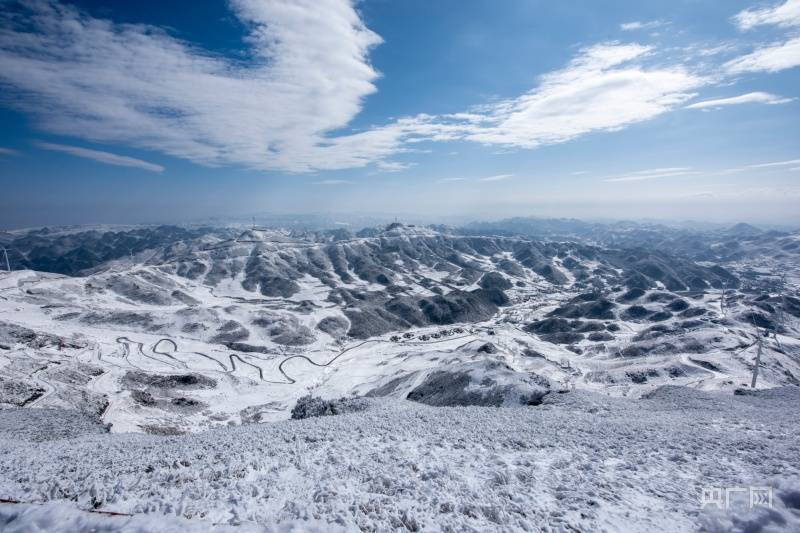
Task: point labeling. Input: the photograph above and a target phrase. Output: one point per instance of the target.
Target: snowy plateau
(515, 376)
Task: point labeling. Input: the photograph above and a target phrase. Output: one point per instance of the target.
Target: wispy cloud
(654, 173)
(8, 151)
(758, 166)
(776, 164)
(774, 57)
(579, 173)
(728, 171)
(333, 182)
(602, 89)
(102, 157)
(606, 87)
(713, 50)
(392, 166)
(771, 58)
(786, 14)
(307, 76)
(749, 98)
(638, 25)
(498, 177)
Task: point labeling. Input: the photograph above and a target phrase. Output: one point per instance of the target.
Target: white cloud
(306, 75)
(102, 157)
(776, 164)
(392, 166)
(654, 173)
(600, 90)
(786, 14)
(7, 151)
(630, 26)
(749, 98)
(604, 88)
(772, 58)
(638, 25)
(772, 164)
(728, 171)
(333, 182)
(498, 177)
(712, 50)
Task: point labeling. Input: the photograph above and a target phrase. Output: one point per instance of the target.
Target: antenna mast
(758, 360)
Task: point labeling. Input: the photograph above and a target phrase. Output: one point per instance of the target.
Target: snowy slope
(580, 461)
(207, 333)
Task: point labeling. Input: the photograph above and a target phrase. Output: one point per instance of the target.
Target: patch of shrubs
(310, 406)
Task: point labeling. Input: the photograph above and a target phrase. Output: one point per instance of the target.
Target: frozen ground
(207, 332)
(185, 350)
(577, 462)
(135, 367)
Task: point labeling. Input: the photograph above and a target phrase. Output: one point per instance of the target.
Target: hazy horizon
(356, 221)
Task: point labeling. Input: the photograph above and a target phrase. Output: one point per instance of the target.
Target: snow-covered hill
(479, 382)
(207, 331)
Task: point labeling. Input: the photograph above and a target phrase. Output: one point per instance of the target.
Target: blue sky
(122, 112)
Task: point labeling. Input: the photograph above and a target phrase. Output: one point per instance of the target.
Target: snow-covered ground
(95, 335)
(578, 462)
(618, 392)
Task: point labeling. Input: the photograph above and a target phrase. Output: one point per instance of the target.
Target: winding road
(233, 365)
(291, 381)
(125, 342)
(167, 354)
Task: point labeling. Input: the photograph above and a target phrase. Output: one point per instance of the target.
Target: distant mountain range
(76, 250)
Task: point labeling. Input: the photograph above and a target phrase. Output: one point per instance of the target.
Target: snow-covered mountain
(193, 329)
